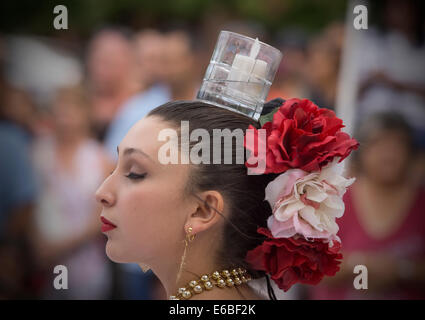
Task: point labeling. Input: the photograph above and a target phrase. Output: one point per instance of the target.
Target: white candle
(260, 69)
(246, 69)
(255, 49)
(241, 68)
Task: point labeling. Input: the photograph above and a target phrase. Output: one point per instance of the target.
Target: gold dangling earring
(189, 238)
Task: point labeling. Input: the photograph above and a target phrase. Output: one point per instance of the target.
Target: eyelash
(134, 176)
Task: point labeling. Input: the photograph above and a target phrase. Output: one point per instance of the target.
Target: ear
(205, 215)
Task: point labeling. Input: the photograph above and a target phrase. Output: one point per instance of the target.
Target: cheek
(147, 219)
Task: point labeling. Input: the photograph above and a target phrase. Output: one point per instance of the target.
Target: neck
(199, 261)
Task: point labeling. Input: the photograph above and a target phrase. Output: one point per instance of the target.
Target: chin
(120, 254)
(115, 254)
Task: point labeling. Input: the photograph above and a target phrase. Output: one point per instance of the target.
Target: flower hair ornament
(305, 147)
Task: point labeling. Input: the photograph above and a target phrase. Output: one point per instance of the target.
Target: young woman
(194, 224)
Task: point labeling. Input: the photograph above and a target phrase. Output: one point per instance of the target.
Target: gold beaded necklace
(209, 281)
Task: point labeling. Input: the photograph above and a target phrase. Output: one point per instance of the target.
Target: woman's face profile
(144, 199)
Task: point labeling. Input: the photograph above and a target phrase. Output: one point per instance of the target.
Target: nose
(104, 197)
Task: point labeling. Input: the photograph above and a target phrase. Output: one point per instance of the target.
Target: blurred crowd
(63, 111)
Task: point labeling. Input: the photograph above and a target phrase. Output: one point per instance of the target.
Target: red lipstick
(106, 224)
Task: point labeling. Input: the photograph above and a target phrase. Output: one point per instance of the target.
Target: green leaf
(268, 117)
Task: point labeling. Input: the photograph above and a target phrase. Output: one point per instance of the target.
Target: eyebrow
(129, 151)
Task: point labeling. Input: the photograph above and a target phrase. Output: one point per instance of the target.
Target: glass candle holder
(240, 74)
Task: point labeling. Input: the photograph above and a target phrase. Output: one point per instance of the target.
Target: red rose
(303, 136)
(292, 260)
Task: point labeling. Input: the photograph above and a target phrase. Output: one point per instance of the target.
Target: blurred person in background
(112, 76)
(309, 67)
(17, 197)
(148, 48)
(391, 65)
(289, 80)
(383, 227)
(70, 165)
(179, 65)
(19, 107)
(322, 68)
